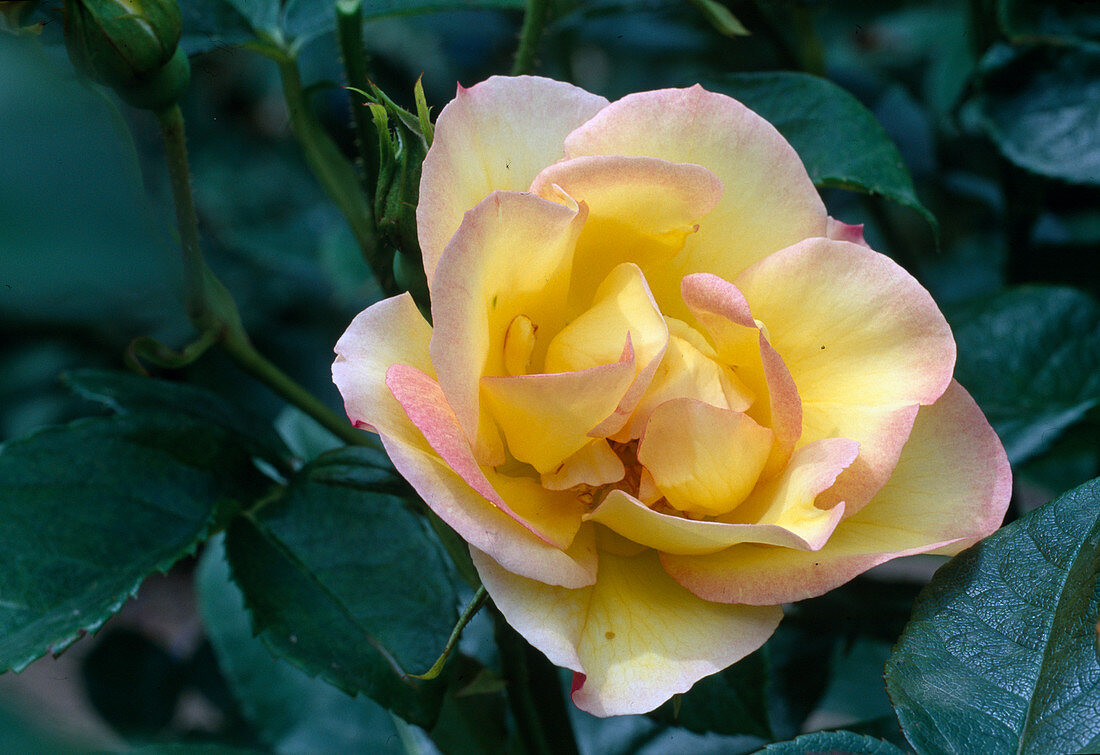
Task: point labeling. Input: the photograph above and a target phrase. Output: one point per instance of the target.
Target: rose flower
(664, 392)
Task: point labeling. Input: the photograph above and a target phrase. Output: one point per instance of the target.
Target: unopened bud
(131, 46)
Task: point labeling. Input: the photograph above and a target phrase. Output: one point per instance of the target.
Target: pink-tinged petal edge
(387, 332)
(427, 408)
(841, 231)
(487, 528)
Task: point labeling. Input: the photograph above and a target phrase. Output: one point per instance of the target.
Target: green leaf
(731, 702)
(1031, 358)
(291, 711)
(1001, 652)
(839, 140)
(833, 741)
(88, 510)
(1040, 106)
(124, 392)
(345, 582)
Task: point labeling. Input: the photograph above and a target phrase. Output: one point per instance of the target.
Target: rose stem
(211, 307)
(535, 694)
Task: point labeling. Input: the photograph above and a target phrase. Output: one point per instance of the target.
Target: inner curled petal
(705, 460)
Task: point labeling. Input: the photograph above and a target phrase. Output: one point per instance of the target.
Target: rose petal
(951, 488)
(853, 327)
(866, 334)
(486, 527)
(391, 331)
(743, 345)
(595, 464)
(553, 517)
(640, 210)
(629, 517)
(793, 499)
(687, 370)
(547, 418)
(494, 136)
(705, 460)
(841, 231)
(623, 307)
(636, 636)
(769, 202)
(510, 257)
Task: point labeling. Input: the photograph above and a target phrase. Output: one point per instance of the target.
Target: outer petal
(511, 257)
(391, 331)
(853, 327)
(864, 342)
(769, 201)
(950, 489)
(636, 636)
(552, 517)
(494, 136)
(486, 527)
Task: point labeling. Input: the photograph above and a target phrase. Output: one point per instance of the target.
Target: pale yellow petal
(743, 345)
(547, 418)
(495, 136)
(852, 326)
(951, 487)
(688, 370)
(595, 464)
(510, 257)
(629, 517)
(390, 332)
(768, 201)
(635, 638)
(623, 307)
(640, 210)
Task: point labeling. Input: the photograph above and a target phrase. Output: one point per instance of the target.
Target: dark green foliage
(80, 530)
(1031, 358)
(838, 139)
(291, 711)
(833, 742)
(346, 582)
(1001, 653)
(1040, 106)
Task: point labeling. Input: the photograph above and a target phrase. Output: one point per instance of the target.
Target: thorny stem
(534, 20)
(471, 610)
(535, 695)
(211, 307)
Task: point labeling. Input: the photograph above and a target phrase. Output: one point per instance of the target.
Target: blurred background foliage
(994, 108)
